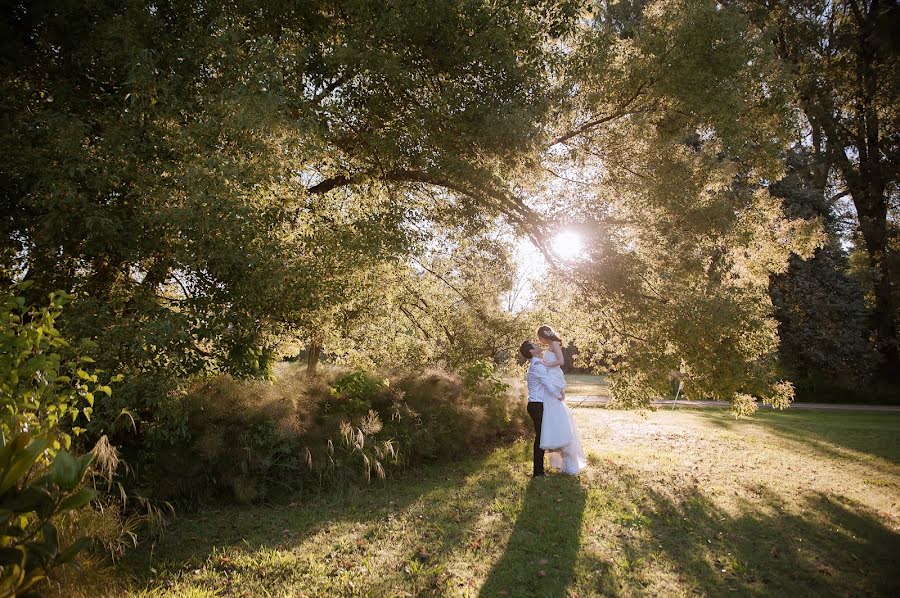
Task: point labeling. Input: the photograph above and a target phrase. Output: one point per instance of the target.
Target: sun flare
(568, 245)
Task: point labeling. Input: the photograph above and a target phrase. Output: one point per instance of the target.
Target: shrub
(359, 386)
(40, 388)
(45, 397)
(253, 441)
(236, 446)
(444, 417)
(32, 495)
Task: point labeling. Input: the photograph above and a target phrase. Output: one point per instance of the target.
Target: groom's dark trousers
(536, 411)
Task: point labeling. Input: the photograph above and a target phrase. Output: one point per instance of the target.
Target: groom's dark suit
(541, 387)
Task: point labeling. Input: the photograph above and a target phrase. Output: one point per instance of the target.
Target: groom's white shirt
(541, 386)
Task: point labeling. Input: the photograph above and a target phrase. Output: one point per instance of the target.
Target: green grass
(586, 385)
(674, 503)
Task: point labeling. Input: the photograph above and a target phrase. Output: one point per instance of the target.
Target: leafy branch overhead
(232, 185)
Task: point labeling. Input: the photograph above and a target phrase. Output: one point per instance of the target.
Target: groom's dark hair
(525, 349)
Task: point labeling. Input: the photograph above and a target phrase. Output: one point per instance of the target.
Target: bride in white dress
(558, 434)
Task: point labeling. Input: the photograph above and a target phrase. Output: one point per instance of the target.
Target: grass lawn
(586, 385)
(675, 503)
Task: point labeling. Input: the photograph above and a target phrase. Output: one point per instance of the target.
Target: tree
(822, 317)
(443, 306)
(843, 61)
(675, 124)
(213, 177)
(218, 179)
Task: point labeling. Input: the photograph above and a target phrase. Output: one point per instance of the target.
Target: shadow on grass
(838, 549)
(193, 538)
(875, 434)
(425, 519)
(539, 559)
(618, 531)
(685, 541)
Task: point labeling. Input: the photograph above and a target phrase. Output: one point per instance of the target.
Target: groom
(541, 387)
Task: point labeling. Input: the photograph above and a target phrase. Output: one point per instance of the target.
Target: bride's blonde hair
(547, 333)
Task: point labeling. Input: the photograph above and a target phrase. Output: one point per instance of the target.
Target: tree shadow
(824, 546)
(539, 559)
(829, 433)
(195, 537)
(440, 512)
(613, 532)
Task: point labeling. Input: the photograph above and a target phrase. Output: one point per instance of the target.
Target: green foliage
(842, 57)
(254, 441)
(358, 385)
(480, 371)
(33, 494)
(442, 418)
(210, 157)
(444, 307)
(230, 184)
(236, 444)
(44, 384)
(453, 298)
(497, 395)
(820, 307)
(678, 121)
(47, 388)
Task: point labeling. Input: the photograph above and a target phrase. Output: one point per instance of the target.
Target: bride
(558, 434)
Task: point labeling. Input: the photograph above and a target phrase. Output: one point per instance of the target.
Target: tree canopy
(842, 58)
(223, 183)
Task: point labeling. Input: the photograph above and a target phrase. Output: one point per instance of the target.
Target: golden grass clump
(106, 460)
(254, 440)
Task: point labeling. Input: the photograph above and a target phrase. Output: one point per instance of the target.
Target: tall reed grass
(262, 441)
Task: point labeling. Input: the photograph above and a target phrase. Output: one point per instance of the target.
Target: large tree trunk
(867, 187)
(865, 181)
(837, 135)
(872, 214)
(312, 356)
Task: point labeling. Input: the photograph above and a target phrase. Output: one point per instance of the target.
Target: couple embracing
(554, 429)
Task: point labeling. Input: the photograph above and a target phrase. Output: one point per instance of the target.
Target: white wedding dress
(558, 433)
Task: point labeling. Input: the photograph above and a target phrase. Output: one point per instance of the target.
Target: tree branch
(567, 179)
(585, 127)
(415, 322)
(618, 113)
(838, 196)
(328, 89)
(512, 207)
(442, 279)
(329, 184)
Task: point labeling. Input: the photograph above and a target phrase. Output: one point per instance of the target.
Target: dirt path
(593, 400)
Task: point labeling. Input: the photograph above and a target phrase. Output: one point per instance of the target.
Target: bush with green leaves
(358, 385)
(482, 380)
(445, 417)
(353, 395)
(250, 441)
(46, 394)
(34, 493)
(43, 381)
